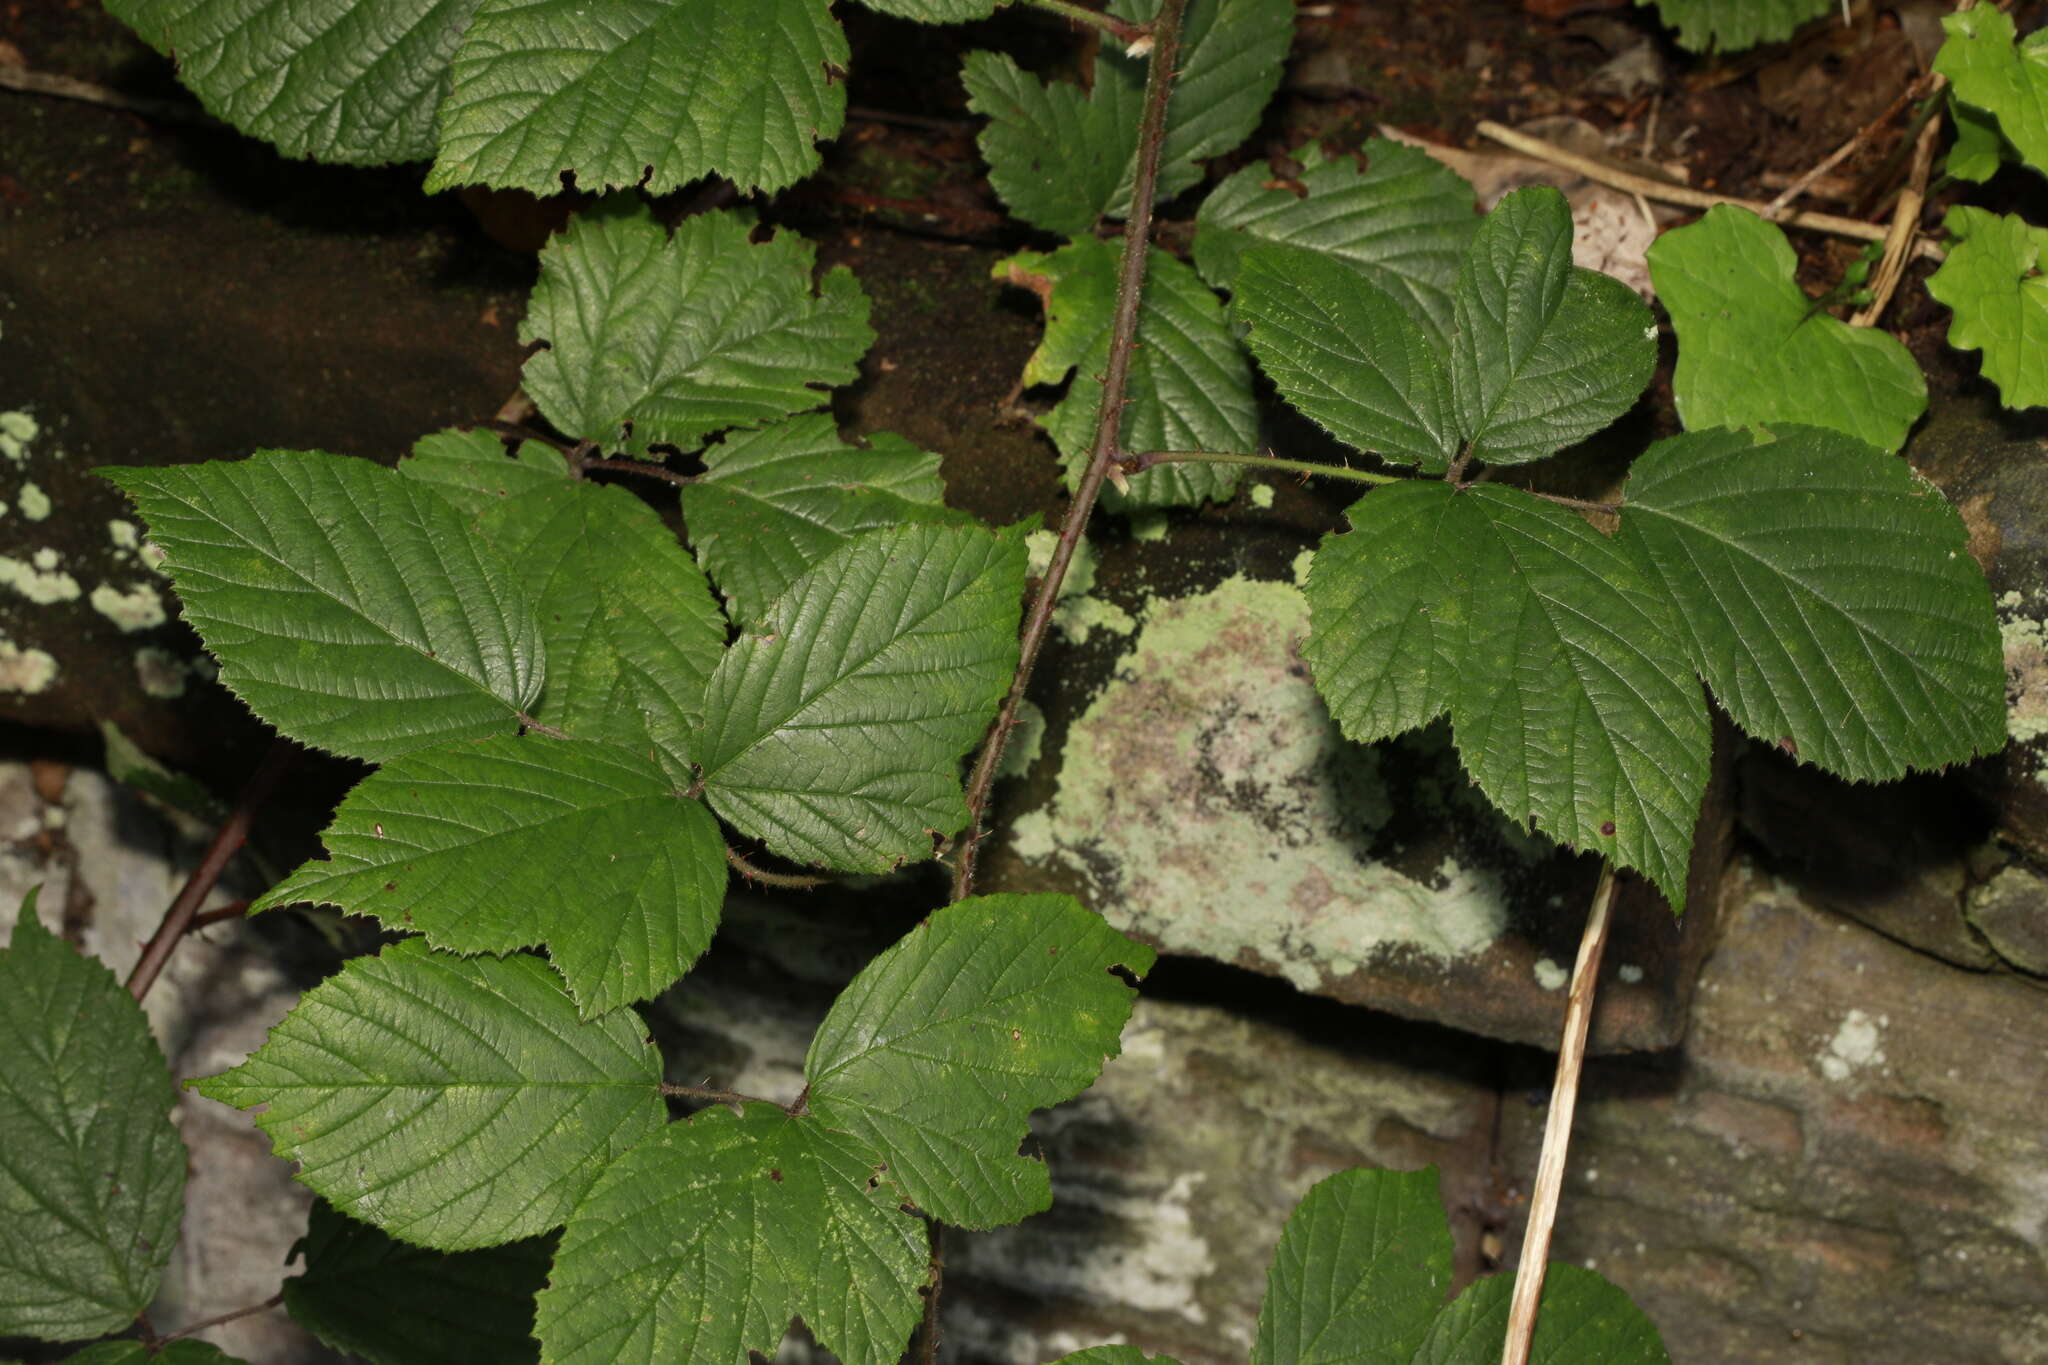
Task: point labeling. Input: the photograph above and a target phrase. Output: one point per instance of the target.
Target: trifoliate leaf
(471, 471)
(624, 613)
(1190, 387)
(1057, 154)
(772, 503)
(392, 1303)
(1402, 222)
(1581, 1317)
(92, 1181)
(938, 1052)
(835, 729)
(340, 80)
(1546, 352)
(1348, 355)
(187, 1352)
(1979, 149)
(701, 1244)
(1572, 700)
(632, 92)
(1827, 595)
(937, 11)
(655, 339)
(1992, 279)
(1359, 1272)
(1732, 25)
(2005, 79)
(349, 607)
(453, 1102)
(1752, 348)
(508, 843)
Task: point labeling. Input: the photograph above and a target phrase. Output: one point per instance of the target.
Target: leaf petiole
(1132, 465)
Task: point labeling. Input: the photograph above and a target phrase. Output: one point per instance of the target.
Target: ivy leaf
(341, 80)
(1402, 222)
(1752, 348)
(1359, 1272)
(507, 843)
(2004, 78)
(1572, 701)
(93, 1182)
(1732, 25)
(348, 606)
(1580, 1317)
(1992, 279)
(772, 503)
(186, 1352)
(641, 92)
(1827, 595)
(834, 733)
(1979, 149)
(938, 1052)
(470, 470)
(370, 1295)
(1546, 352)
(1057, 154)
(622, 609)
(700, 1244)
(655, 339)
(1190, 387)
(453, 1102)
(1348, 355)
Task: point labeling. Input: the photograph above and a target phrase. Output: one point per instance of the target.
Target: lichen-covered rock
(2011, 911)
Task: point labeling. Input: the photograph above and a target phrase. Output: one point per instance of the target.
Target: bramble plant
(571, 714)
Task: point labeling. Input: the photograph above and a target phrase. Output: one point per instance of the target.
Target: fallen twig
(71, 88)
(1905, 225)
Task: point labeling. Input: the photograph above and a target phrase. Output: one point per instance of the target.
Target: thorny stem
(226, 842)
(1122, 30)
(1108, 426)
(1133, 465)
(1557, 1127)
(793, 881)
(264, 1307)
(705, 1092)
(643, 468)
(928, 1330)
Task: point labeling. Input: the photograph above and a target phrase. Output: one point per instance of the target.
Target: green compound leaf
(938, 1052)
(1546, 352)
(632, 92)
(655, 339)
(2007, 80)
(1751, 347)
(700, 1245)
(1581, 1317)
(1359, 1272)
(834, 733)
(187, 1352)
(392, 1303)
(1979, 149)
(454, 1102)
(340, 80)
(1826, 594)
(770, 504)
(1732, 25)
(1572, 700)
(349, 607)
(470, 470)
(507, 843)
(628, 621)
(92, 1174)
(1190, 386)
(1992, 279)
(1348, 355)
(1402, 222)
(1057, 154)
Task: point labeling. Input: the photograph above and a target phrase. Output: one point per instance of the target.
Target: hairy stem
(1133, 465)
(227, 841)
(1108, 427)
(264, 1307)
(707, 1092)
(1122, 30)
(643, 468)
(792, 881)
(1557, 1127)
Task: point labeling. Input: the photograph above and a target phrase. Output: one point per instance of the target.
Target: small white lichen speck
(140, 608)
(27, 671)
(1550, 976)
(1854, 1046)
(39, 583)
(34, 502)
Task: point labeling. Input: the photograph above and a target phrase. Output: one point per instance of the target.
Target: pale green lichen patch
(123, 535)
(17, 430)
(1549, 975)
(1078, 618)
(41, 582)
(1262, 495)
(1027, 741)
(1210, 803)
(33, 501)
(2025, 638)
(1148, 525)
(140, 608)
(25, 671)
